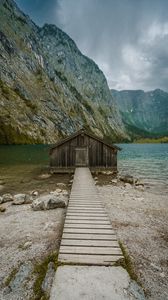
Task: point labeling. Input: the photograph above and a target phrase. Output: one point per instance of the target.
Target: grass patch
(127, 264)
(11, 277)
(40, 270)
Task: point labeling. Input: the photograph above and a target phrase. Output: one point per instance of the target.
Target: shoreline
(140, 220)
(138, 216)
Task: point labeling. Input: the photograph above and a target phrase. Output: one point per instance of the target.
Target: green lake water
(146, 161)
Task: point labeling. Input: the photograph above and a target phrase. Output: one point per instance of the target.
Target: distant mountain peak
(48, 87)
(143, 113)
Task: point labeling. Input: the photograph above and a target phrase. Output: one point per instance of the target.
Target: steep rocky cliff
(145, 114)
(47, 87)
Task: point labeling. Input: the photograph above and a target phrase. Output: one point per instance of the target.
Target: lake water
(146, 161)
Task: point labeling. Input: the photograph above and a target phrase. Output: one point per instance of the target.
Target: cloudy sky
(128, 39)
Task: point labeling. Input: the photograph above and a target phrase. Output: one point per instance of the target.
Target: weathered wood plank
(80, 210)
(89, 259)
(81, 206)
(102, 213)
(88, 226)
(85, 209)
(83, 230)
(90, 236)
(93, 243)
(88, 215)
(90, 250)
(84, 193)
(85, 214)
(84, 197)
(83, 203)
(70, 221)
(86, 218)
(86, 200)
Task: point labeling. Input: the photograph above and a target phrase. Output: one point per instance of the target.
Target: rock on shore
(49, 202)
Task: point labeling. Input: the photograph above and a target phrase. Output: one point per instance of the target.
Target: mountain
(47, 87)
(145, 114)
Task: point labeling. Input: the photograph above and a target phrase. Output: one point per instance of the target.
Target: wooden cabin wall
(100, 155)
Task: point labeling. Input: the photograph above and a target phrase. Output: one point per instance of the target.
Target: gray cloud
(128, 39)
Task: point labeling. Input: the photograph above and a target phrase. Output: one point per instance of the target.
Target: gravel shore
(140, 219)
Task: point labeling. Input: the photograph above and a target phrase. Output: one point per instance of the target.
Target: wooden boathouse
(83, 149)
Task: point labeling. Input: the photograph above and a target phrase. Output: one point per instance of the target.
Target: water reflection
(146, 161)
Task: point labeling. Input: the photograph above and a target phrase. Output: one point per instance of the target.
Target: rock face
(49, 202)
(17, 286)
(143, 113)
(2, 209)
(48, 280)
(48, 88)
(6, 198)
(127, 179)
(21, 199)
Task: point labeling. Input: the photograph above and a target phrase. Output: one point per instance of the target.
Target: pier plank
(71, 221)
(88, 226)
(93, 243)
(90, 250)
(85, 230)
(106, 260)
(87, 237)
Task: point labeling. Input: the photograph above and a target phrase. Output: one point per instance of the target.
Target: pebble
(141, 199)
(162, 275)
(64, 193)
(48, 280)
(128, 185)
(2, 209)
(155, 267)
(49, 225)
(34, 193)
(114, 180)
(58, 191)
(44, 176)
(7, 197)
(140, 188)
(27, 245)
(61, 184)
(21, 199)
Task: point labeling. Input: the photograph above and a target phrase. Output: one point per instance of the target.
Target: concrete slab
(94, 283)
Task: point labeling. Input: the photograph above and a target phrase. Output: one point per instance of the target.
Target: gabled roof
(82, 131)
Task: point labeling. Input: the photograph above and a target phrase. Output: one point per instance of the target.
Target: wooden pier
(88, 238)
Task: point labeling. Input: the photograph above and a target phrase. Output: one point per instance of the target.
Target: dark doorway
(81, 159)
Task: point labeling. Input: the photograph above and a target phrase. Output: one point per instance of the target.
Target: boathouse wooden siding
(92, 152)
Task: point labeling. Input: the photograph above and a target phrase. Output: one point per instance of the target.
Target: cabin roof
(79, 132)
